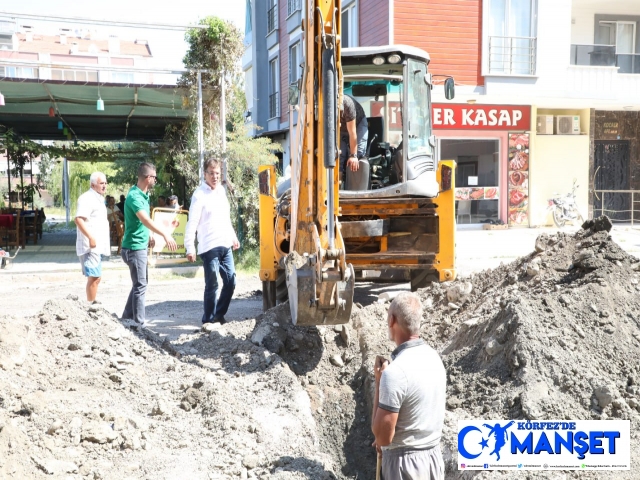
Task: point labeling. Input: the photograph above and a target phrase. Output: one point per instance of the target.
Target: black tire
(557, 218)
(422, 279)
(268, 295)
(282, 294)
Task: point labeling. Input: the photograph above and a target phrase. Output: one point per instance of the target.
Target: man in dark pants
(354, 132)
(136, 240)
(209, 217)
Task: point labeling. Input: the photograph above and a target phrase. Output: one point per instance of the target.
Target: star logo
(484, 443)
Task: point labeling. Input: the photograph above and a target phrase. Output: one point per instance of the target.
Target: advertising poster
(544, 445)
(518, 179)
(175, 221)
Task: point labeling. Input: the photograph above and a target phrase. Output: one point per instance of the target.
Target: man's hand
(236, 244)
(353, 164)
(377, 447)
(171, 243)
(92, 242)
(380, 365)
(152, 241)
(191, 257)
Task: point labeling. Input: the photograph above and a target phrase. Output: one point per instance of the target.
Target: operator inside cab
(354, 132)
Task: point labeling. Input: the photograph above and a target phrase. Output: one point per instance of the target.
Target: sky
(167, 47)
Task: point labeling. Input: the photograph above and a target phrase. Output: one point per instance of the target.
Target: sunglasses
(152, 176)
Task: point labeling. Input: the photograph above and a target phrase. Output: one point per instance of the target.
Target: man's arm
(147, 222)
(384, 426)
(82, 226)
(352, 162)
(195, 213)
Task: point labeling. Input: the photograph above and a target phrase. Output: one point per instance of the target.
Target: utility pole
(200, 129)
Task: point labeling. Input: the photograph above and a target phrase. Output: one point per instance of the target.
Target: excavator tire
(422, 278)
(282, 294)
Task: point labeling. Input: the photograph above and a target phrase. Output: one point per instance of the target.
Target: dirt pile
(553, 335)
(82, 396)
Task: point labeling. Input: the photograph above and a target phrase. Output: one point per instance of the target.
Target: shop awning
(131, 112)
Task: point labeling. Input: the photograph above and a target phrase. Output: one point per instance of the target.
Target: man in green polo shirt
(136, 241)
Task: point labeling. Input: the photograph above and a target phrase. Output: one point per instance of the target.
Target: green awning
(131, 112)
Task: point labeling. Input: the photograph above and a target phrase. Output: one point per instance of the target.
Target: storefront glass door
(477, 178)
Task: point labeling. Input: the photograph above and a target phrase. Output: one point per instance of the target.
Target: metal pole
(200, 130)
(633, 206)
(65, 193)
(32, 199)
(9, 179)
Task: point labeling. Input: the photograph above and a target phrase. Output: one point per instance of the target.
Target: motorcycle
(564, 208)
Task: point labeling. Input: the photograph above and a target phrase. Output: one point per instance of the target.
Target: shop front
(490, 144)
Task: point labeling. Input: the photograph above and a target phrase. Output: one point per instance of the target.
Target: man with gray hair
(92, 232)
(409, 401)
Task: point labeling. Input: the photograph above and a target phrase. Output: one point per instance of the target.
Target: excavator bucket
(314, 303)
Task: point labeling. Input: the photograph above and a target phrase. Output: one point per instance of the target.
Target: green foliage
(244, 155)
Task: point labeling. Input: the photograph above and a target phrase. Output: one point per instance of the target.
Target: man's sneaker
(220, 319)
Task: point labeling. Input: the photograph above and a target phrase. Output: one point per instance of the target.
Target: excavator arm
(320, 283)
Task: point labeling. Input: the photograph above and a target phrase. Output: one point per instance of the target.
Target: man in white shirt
(409, 401)
(92, 237)
(210, 218)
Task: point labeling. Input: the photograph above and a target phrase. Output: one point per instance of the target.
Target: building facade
(547, 94)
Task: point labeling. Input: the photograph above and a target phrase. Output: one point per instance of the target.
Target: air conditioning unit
(544, 125)
(567, 124)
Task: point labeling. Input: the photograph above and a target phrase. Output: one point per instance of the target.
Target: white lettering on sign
(493, 117)
(448, 117)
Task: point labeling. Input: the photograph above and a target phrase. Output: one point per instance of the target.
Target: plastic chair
(464, 209)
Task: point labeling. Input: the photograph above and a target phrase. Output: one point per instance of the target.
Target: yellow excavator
(394, 218)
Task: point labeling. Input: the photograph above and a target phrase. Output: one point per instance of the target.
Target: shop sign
(481, 117)
(518, 179)
(610, 129)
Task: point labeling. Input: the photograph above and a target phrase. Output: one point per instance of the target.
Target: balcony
(274, 105)
(512, 55)
(605, 56)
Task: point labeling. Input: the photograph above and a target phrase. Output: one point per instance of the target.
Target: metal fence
(605, 56)
(512, 55)
(618, 205)
(272, 19)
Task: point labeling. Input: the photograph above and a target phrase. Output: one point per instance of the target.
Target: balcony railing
(605, 56)
(512, 55)
(272, 19)
(274, 110)
(292, 6)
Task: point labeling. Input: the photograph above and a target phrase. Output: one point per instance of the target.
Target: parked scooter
(564, 208)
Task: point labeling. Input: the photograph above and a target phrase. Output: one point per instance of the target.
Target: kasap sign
(553, 445)
(452, 116)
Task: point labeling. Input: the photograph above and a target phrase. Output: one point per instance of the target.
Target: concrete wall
(555, 161)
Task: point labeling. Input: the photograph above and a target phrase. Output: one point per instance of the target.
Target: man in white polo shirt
(92, 237)
(210, 218)
(409, 401)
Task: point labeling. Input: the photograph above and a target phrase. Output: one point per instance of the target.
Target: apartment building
(547, 92)
(45, 49)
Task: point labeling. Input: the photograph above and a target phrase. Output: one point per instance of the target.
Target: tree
(218, 49)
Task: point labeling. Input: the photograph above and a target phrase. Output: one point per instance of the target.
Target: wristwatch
(353, 155)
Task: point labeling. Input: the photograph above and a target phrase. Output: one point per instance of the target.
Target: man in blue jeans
(136, 241)
(209, 217)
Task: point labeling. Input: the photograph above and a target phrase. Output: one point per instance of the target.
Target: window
(272, 15)
(512, 43)
(273, 88)
(349, 26)
(292, 6)
(74, 75)
(294, 63)
(18, 72)
(121, 77)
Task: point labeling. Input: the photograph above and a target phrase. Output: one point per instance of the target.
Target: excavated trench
(553, 335)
